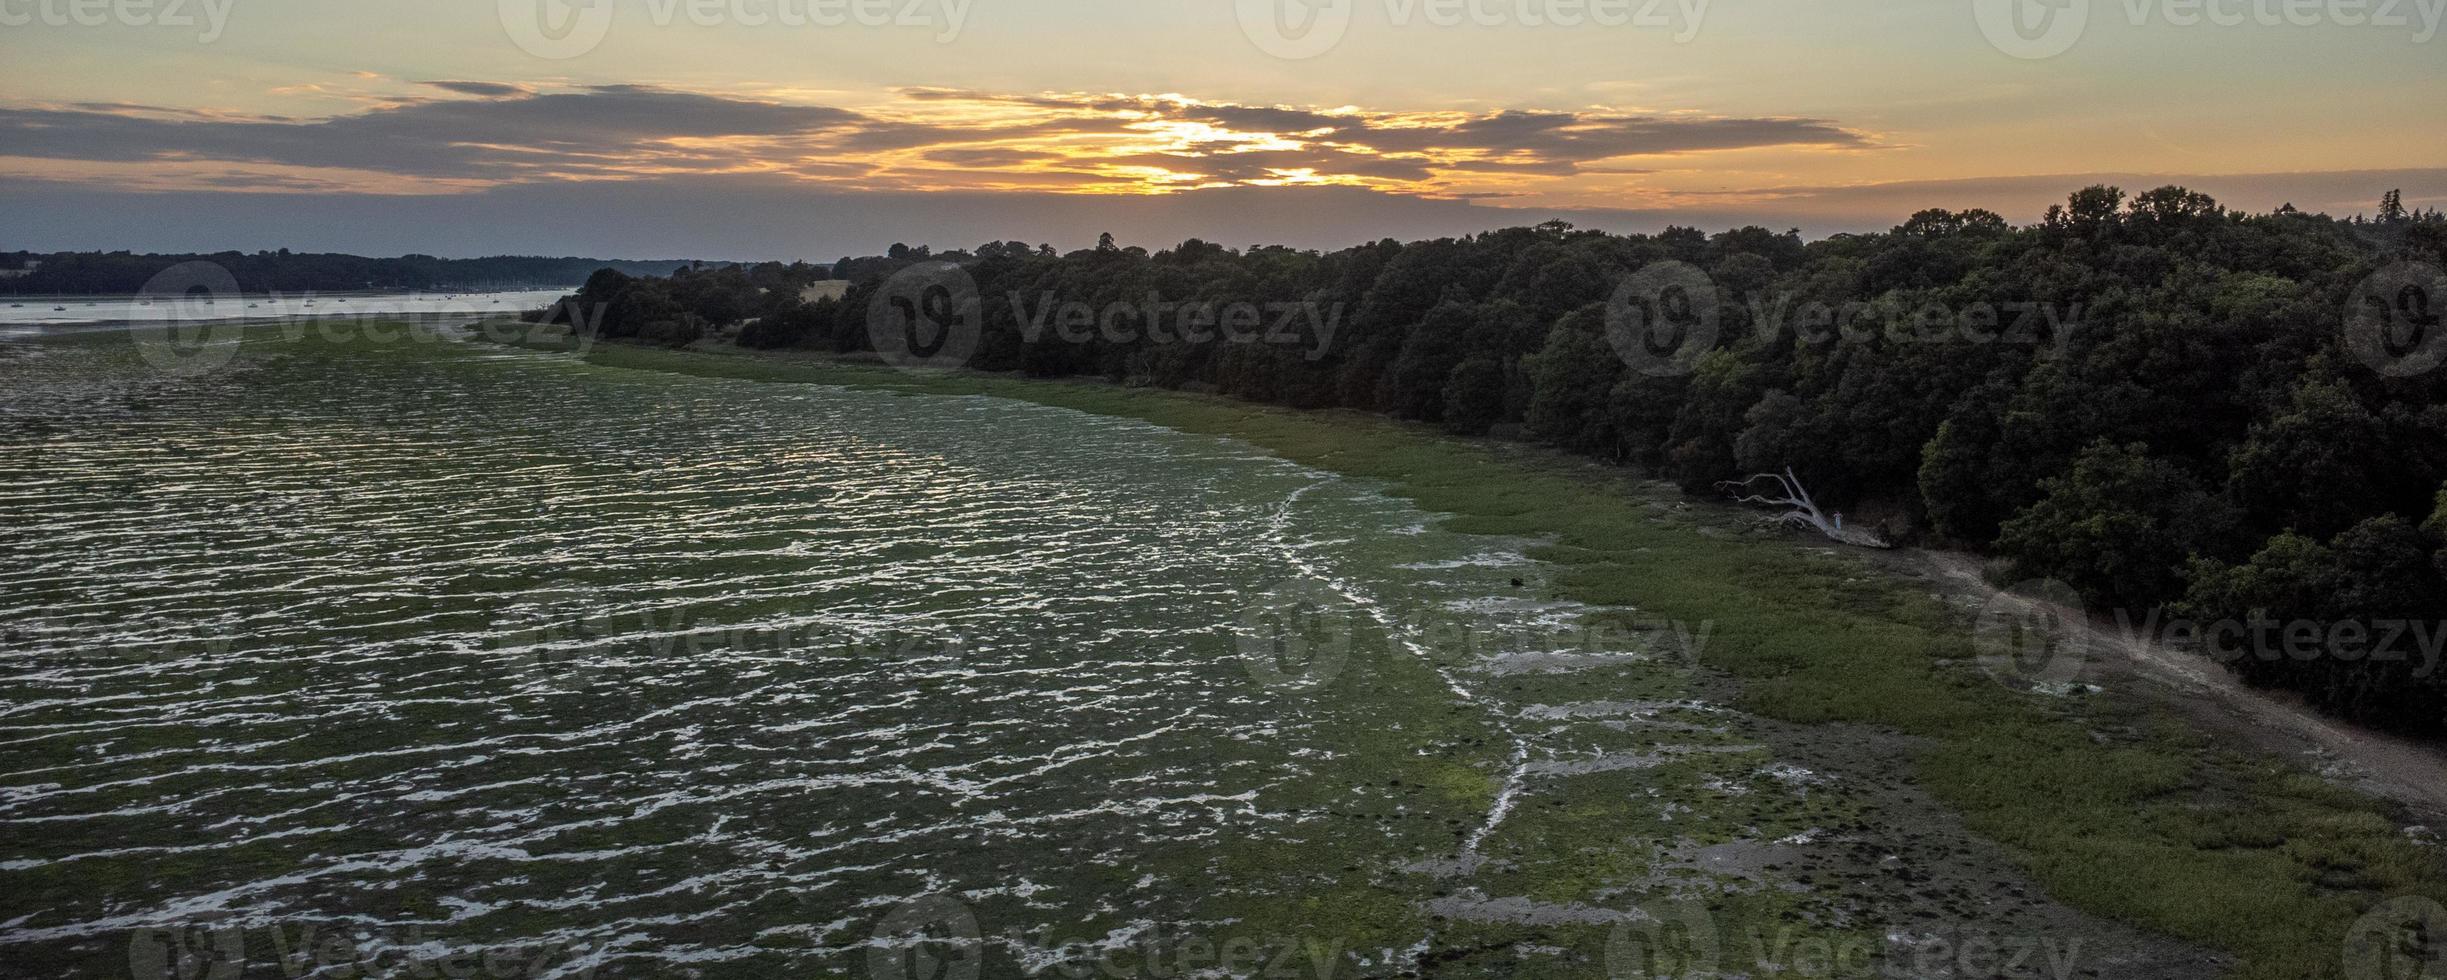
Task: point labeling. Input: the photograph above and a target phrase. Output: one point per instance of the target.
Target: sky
(753, 129)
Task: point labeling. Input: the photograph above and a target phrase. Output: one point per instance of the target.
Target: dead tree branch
(1804, 512)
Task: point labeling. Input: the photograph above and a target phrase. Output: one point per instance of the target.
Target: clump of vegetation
(678, 310)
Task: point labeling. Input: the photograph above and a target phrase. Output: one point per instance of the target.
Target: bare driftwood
(1804, 512)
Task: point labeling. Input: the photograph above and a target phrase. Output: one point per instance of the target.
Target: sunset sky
(747, 129)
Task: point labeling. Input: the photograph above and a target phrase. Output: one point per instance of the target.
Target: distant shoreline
(338, 293)
(130, 310)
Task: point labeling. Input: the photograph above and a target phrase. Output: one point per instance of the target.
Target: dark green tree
(2118, 528)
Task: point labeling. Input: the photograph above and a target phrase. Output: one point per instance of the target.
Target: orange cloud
(479, 134)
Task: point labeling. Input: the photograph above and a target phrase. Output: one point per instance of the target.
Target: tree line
(283, 271)
(2172, 407)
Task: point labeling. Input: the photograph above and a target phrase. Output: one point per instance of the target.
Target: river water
(375, 656)
(18, 312)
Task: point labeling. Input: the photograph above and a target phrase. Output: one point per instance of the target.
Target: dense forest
(125, 273)
(2180, 410)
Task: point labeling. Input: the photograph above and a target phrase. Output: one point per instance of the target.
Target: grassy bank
(2105, 800)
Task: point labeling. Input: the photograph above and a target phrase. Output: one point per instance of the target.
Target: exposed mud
(2406, 771)
(1910, 857)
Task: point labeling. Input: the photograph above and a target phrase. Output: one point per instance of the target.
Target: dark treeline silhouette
(102, 273)
(679, 309)
(2154, 400)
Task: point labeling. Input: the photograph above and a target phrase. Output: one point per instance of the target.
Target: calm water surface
(17, 313)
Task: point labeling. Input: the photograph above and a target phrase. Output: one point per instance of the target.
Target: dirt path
(2409, 772)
